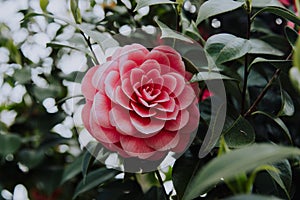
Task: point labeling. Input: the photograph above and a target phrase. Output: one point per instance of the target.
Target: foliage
(252, 46)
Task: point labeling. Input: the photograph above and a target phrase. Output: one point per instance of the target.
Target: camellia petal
(163, 141)
(111, 82)
(186, 97)
(107, 135)
(159, 57)
(87, 88)
(85, 115)
(136, 147)
(100, 109)
(181, 120)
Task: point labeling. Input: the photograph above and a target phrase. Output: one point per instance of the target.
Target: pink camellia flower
(140, 103)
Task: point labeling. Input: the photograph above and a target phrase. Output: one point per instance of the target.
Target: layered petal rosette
(140, 103)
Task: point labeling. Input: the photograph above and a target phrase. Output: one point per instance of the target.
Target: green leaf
(282, 12)
(226, 47)
(252, 197)
(236, 162)
(72, 170)
(144, 3)
(283, 177)
(240, 133)
(183, 171)
(296, 55)
(44, 4)
(94, 179)
(31, 158)
(294, 74)
(9, 143)
(261, 47)
(276, 63)
(291, 36)
(287, 108)
(86, 163)
(23, 75)
(206, 76)
(75, 11)
(279, 122)
(215, 7)
(265, 3)
(166, 32)
(59, 46)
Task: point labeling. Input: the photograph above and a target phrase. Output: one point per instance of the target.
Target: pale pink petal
(85, 115)
(136, 76)
(163, 140)
(107, 135)
(102, 72)
(111, 82)
(181, 120)
(122, 99)
(145, 103)
(160, 57)
(154, 73)
(100, 109)
(184, 141)
(147, 125)
(125, 69)
(120, 117)
(142, 111)
(87, 88)
(136, 147)
(174, 58)
(180, 83)
(136, 88)
(194, 117)
(149, 65)
(186, 97)
(169, 82)
(128, 89)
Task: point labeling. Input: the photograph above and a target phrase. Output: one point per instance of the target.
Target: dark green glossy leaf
(282, 12)
(31, 158)
(9, 143)
(226, 47)
(252, 197)
(294, 74)
(296, 55)
(265, 3)
(278, 121)
(206, 76)
(283, 177)
(261, 47)
(166, 32)
(236, 162)
(240, 133)
(287, 108)
(144, 3)
(291, 35)
(72, 170)
(276, 63)
(183, 171)
(212, 8)
(94, 179)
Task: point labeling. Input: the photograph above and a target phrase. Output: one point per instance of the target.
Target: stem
(91, 48)
(162, 184)
(246, 72)
(263, 92)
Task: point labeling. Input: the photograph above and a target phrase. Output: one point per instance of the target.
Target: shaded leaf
(296, 57)
(261, 47)
(278, 121)
(212, 8)
(252, 197)
(31, 158)
(72, 170)
(291, 35)
(283, 177)
(166, 32)
(23, 75)
(280, 11)
(94, 179)
(9, 143)
(206, 76)
(287, 108)
(265, 3)
(235, 162)
(240, 133)
(144, 3)
(226, 47)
